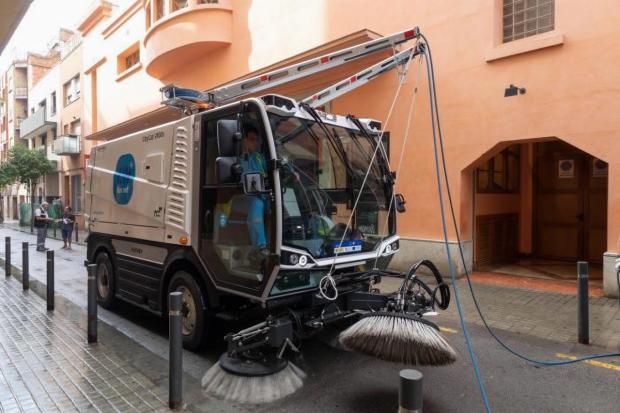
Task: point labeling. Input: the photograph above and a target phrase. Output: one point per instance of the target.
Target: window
(76, 193)
(500, 174)
(178, 4)
(76, 127)
(159, 9)
(524, 18)
(53, 104)
(128, 59)
(147, 13)
(72, 90)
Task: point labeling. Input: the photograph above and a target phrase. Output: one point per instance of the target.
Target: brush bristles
(219, 383)
(397, 339)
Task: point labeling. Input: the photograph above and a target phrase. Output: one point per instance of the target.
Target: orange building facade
(526, 91)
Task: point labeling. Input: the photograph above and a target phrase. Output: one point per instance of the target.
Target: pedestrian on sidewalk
(66, 226)
(41, 219)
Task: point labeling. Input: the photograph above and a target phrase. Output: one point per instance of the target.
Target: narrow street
(137, 340)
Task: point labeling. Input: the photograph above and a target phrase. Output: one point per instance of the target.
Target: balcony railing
(67, 145)
(188, 31)
(21, 93)
(36, 124)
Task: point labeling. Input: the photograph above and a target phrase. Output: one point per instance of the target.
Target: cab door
(229, 218)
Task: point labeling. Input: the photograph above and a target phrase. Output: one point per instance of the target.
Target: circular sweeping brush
(252, 381)
(398, 337)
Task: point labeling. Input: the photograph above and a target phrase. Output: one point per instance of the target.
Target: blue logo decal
(123, 179)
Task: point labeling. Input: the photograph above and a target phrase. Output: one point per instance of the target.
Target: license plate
(347, 246)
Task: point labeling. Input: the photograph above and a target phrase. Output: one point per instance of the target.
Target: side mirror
(399, 199)
(253, 183)
(228, 169)
(228, 137)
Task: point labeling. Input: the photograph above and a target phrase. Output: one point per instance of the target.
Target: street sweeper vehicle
(269, 214)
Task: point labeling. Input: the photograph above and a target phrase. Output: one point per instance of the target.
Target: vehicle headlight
(395, 245)
(388, 249)
(293, 259)
(303, 260)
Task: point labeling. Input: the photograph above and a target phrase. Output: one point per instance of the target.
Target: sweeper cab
(263, 211)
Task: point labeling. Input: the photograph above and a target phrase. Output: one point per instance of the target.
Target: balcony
(21, 93)
(67, 145)
(182, 36)
(35, 124)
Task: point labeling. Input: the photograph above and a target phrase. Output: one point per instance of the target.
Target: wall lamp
(513, 91)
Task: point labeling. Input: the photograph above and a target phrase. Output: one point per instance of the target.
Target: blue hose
(468, 341)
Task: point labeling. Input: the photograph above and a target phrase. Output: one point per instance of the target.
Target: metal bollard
(175, 390)
(25, 267)
(410, 392)
(7, 256)
(50, 281)
(76, 232)
(583, 321)
(92, 303)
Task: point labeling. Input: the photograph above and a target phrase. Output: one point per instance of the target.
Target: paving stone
(46, 366)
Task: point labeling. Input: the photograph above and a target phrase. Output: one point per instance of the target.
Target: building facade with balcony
(524, 89)
(69, 147)
(40, 129)
(51, 122)
(15, 110)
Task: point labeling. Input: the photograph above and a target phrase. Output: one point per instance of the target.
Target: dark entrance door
(570, 205)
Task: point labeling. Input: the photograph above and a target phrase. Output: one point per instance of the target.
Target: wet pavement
(541, 323)
(46, 364)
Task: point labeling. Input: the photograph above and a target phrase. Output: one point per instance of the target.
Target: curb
(82, 241)
(62, 304)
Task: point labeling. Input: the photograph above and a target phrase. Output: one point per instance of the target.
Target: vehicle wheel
(194, 323)
(105, 281)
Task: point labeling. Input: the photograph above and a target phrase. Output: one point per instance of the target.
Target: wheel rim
(188, 309)
(103, 281)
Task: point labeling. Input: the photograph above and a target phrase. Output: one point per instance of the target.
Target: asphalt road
(340, 381)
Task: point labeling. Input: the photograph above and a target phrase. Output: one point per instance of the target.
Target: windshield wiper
(382, 160)
(331, 138)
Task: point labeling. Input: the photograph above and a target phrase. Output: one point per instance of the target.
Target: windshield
(323, 171)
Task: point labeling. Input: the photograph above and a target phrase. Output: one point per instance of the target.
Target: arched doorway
(539, 206)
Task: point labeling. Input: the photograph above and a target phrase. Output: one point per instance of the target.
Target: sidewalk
(71, 293)
(46, 364)
(14, 225)
(539, 308)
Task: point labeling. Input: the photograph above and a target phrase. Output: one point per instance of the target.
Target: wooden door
(66, 190)
(596, 210)
(497, 239)
(570, 204)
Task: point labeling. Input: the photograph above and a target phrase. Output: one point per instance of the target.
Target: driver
(252, 160)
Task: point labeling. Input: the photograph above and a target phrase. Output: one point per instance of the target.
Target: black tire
(194, 324)
(106, 281)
